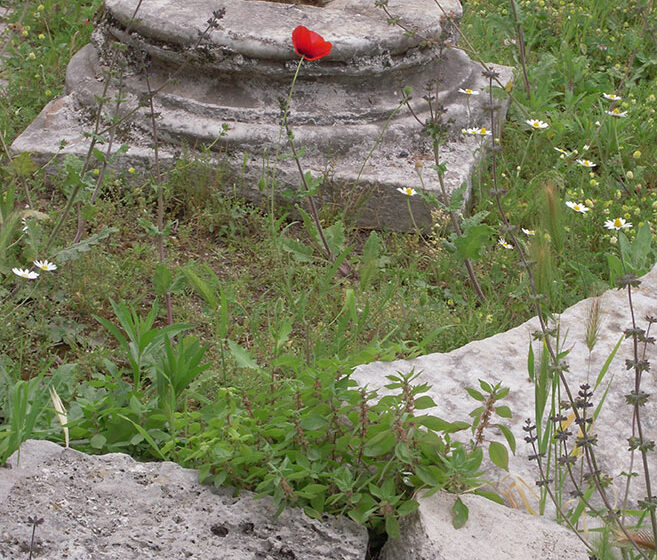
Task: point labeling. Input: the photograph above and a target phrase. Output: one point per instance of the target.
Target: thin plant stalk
(520, 37)
(161, 251)
(580, 421)
(290, 138)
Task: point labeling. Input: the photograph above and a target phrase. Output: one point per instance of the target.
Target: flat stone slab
(111, 507)
(503, 358)
(492, 531)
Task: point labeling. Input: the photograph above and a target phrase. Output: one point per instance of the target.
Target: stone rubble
(111, 507)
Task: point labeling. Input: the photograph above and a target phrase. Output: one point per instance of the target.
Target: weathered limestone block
(237, 75)
(110, 506)
(503, 358)
(492, 531)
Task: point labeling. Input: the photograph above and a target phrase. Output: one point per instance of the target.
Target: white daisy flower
(504, 243)
(563, 153)
(616, 112)
(468, 91)
(577, 207)
(45, 265)
(528, 232)
(26, 273)
(408, 191)
(536, 123)
(617, 223)
(612, 96)
(477, 131)
(586, 163)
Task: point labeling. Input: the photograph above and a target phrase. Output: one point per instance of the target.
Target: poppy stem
(290, 139)
(286, 109)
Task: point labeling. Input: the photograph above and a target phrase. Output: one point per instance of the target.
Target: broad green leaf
(423, 402)
(510, 438)
(392, 526)
(459, 514)
(313, 422)
(72, 252)
(473, 240)
(407, 507)
(379, 445)
(439, 425)
(475, 394)
(503, 411)
(98, 441)
(242, 356)
(499, 455)
(426, 475)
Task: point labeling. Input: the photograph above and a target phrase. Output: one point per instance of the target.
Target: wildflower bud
(629, 175)
(31, 56)
(637, 154)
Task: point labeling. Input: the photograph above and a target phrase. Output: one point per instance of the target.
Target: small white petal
(534, 123)
(408, 191)
(25, 273)
(45, 265)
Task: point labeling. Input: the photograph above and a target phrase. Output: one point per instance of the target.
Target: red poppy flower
(310, 45)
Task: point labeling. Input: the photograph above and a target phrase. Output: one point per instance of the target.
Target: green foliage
(73, 251)
(318, 442)
(636, 256)
(140, 342)
(25, 403)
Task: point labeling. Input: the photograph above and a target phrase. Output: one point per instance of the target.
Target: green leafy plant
(139, 340)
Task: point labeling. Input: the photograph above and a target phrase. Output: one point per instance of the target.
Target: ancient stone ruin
(221, 88)
(110, 506)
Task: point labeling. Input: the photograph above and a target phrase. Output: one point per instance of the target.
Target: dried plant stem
(159, 240)
(520, 37)
(544, 482)
(643, 444)
(554, 360)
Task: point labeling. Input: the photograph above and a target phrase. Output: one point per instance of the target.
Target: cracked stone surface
(503, 358)
(110, 506)
(492, 531)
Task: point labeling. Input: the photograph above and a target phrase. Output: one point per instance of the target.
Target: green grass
(268, 315)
